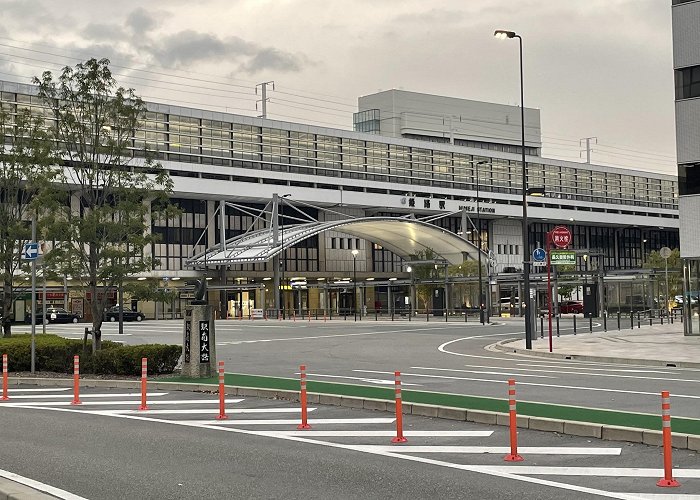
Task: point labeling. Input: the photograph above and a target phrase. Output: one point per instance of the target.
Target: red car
(571, 307)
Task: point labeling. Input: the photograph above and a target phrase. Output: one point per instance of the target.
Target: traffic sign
(30, 251)
(562, 257)
(665, 252)
(539, 255)
(561, 236)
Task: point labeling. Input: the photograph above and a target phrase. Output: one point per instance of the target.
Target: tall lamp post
(478, 239)
(354, 281)
(502, 34)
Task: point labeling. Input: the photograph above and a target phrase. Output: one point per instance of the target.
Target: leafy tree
(657, 263)
(469, 268)
(422, 273)
(101, 228)
(25, 173)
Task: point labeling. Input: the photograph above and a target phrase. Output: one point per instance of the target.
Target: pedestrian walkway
(654, 345)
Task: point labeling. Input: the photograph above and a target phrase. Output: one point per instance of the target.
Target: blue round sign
(539, 255)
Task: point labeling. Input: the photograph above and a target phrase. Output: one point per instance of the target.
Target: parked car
(571, 307)
(54, 315)
(112, 314)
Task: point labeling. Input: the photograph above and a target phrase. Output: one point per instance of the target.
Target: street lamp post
(478, 239)
(410, 293)
(354, 281)
(526, 233)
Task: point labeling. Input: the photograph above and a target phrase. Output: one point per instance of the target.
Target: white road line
(313, 433)
(591, 471)
(312, 421)
(43, 487)
(56, 389)
(523, 450)
(623, 370)
(557, 386)
(237, 342)
(615, 375)
(665, 496)
(478, 372)
(410, 458)
(84, 396)
(362, 379)
(204, 410)
(133, 402)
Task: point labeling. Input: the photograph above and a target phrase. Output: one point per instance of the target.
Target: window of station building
(689, 178)
(366, 121)
(180, 237)
(687, 82)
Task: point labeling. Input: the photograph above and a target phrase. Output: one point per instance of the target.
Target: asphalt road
(106, 449)
(434, 356)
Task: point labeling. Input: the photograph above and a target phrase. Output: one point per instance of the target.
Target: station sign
(562, 257)
(561, 237)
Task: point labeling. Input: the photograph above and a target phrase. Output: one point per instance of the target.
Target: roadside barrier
(144, 383)
(574, 324)
(76, 380)
(4, 377)
(667, 481)
(302, 385)
(513, 457)
(399, 415)
(222, 394)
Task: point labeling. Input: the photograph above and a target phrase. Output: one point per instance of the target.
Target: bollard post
(302, 382)
(76, 380)
(376, 314)
(618, 320)
(513, 457)
(590, 324)
(651, 319)
(222, 394)
(542, 326)
(605, 322)
(4, 378)
(294, 316)
(639, 320)
(309, 316)
(427, 315)
(399, 415)
(632, 320)
(558, 326)
(661, 317)
(144, 382)
(667, 481)
(574, 323)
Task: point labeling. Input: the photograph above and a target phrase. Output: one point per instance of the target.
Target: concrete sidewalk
(663, 345)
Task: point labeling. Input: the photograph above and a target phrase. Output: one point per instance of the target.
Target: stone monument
(198, 336)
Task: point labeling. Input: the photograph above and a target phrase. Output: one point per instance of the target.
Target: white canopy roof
(404, 236)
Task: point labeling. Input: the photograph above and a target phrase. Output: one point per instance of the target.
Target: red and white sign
(561, 236)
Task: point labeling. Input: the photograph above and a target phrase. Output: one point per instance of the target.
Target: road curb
(568, 427)
(503, 347)
(12, 490)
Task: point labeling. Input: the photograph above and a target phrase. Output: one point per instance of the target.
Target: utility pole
(265, 99)
(588, 146)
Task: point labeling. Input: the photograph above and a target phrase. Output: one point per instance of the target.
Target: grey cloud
(99, 31)
(141, 21)
(187, 47)
(270, 58)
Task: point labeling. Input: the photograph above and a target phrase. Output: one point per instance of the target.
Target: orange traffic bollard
(399, 415)
(304, 422)
(513, 457)
(222, 394)
(144, 383)
(667, 481)
(76, 380)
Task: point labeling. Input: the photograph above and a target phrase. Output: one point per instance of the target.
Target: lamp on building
(502, 34)
(354, 281)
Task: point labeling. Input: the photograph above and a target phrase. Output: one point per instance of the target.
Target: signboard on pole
(539, 257)
(30, 251)
(561, 237)
(562, 257)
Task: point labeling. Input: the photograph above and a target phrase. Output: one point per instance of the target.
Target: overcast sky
(593, 67)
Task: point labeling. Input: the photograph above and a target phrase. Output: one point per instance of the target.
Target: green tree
(102, 227)
(655, 262)
(423, 273)
(25, 173)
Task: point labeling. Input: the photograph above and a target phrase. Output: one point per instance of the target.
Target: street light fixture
(503, 34)
(409, 269)
(354, 281)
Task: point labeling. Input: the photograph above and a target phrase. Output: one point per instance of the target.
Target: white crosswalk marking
(206, 410)
(523, 450)
(312, 433)
(87, 396)
(122, 403)
(312, 421)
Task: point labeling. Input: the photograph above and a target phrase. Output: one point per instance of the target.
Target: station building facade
(617, 216)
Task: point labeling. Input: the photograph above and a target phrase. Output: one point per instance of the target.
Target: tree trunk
(7, 308)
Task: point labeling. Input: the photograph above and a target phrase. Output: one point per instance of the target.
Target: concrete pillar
(199, 342)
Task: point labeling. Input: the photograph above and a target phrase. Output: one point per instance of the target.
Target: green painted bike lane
(543, 410)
